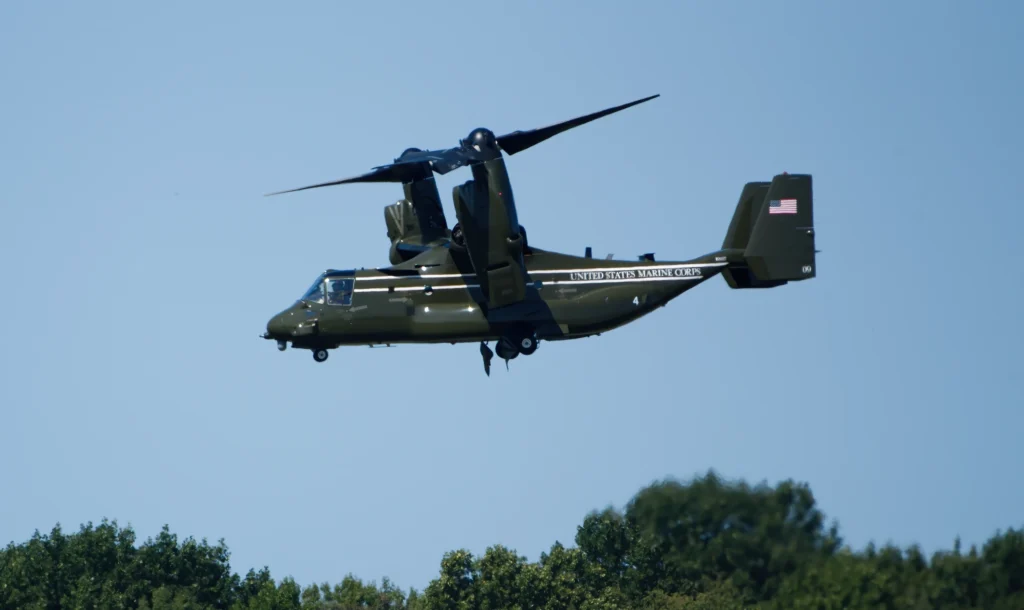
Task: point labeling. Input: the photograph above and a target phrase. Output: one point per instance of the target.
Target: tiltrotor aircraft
(482, 280)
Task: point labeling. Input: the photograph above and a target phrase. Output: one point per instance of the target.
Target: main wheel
(506, 350)
(320, 355)
(527, 345)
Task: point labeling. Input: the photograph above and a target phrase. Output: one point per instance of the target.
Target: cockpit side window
(339, 291)
(315, 294)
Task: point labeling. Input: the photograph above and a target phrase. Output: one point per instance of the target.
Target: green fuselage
(435, 298)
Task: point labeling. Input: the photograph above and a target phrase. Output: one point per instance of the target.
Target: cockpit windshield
(315, 294)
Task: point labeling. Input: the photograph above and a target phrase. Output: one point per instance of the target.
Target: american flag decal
(782, 206)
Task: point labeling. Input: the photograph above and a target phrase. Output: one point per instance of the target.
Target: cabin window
(339, 292)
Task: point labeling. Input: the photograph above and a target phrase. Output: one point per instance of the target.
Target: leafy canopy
(697, 545)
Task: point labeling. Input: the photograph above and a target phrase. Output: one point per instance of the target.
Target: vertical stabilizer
(774, 226)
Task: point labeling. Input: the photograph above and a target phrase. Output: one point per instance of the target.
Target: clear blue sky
(140, 262)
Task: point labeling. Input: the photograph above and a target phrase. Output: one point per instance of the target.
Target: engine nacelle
(416, 223)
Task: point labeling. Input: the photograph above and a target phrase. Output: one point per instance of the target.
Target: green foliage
(701, 545)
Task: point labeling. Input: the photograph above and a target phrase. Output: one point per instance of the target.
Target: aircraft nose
(278, 326)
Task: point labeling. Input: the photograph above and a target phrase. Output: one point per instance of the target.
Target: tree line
(702, 544)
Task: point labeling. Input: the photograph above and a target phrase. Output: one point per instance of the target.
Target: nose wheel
(320, 355)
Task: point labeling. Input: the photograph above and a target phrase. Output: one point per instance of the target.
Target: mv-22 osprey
(482, 281)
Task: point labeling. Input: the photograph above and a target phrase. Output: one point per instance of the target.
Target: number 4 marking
(636, 300)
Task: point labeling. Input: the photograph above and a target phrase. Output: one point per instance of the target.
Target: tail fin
(773, 226)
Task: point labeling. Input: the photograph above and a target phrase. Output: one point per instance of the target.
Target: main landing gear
(527, 345)
(320, 355)
(508, 348)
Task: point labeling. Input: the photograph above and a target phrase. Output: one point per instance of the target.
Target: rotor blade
(441, 161)
(518, 141)
(413, 164)
(400, 172)
(455, 159)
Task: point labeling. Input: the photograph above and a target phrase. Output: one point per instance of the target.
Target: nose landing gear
(282, 345)
(320, 355)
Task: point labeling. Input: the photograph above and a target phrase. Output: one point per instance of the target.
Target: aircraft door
(340, 291)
